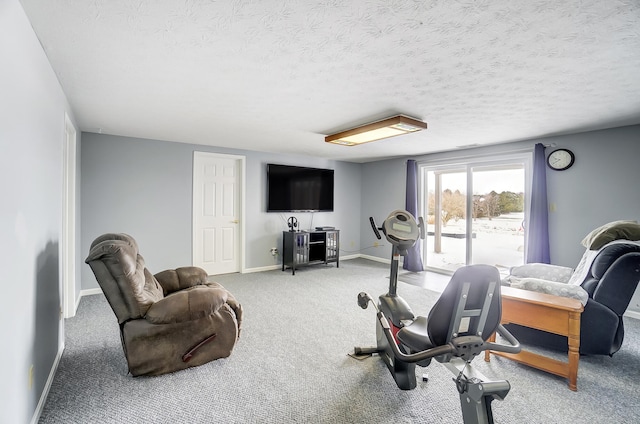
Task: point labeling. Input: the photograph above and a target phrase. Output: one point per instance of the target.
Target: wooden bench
(554, 314)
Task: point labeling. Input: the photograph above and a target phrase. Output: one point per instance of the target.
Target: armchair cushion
(548, 272)
(552, 287)
(139, 288)
(187, 305)
(616, 230)
(173, 280)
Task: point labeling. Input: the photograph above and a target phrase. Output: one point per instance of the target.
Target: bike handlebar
(375, 228)
(421, 227)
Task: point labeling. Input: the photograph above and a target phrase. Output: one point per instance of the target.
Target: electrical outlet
(274, 251)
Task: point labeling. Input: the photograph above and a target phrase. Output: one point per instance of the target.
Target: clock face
(560, 159)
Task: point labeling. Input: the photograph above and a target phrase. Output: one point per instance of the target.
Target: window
(476, 212)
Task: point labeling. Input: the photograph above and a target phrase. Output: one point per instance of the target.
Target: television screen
(299, 189)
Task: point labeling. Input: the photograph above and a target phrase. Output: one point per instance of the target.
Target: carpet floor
(291, 365)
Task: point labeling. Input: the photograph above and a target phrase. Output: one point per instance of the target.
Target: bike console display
(402, 230)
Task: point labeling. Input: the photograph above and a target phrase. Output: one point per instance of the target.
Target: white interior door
(217, 212)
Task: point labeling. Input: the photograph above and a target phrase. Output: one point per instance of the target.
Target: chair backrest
(616, 270)
(469, 305)
(125, 281)
(609, 254)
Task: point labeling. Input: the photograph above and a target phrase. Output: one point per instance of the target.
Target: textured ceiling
(278, 75)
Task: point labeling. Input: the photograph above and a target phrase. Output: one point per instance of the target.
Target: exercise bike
(402, 231)
(467, 312)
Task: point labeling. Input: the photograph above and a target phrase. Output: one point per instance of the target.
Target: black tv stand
(302, 248)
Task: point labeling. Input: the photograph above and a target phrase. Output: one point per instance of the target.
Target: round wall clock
(561, 159)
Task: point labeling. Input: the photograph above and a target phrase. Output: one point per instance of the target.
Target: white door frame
(241, 193)
(69, 220)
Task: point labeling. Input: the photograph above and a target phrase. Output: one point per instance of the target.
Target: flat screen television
(299, 189)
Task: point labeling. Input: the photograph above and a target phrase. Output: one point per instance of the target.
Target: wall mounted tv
(299, 189)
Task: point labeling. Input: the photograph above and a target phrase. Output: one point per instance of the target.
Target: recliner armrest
(173, 280)
(590, 285)
(187, 305)
(552, 287)
(236, 307)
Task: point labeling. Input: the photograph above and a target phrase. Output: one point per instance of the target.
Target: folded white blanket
(552, 287)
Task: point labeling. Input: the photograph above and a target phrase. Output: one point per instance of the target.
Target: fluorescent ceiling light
(379, 130)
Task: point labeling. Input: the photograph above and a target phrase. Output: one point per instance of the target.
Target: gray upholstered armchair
(169, 321)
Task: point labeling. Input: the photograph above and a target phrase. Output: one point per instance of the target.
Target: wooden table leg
(573, 339)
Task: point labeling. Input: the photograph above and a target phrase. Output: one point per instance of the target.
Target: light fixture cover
(378, 130)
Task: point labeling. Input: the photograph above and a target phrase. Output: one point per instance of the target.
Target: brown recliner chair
(169, 321)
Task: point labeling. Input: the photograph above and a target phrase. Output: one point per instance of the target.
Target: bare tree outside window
(493, 234)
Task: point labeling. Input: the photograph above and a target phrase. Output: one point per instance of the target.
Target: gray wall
(599, 188)
(383, 190)
(144, 188)
(32, 110)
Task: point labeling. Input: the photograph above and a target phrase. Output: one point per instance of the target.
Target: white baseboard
(89, 292)
(349, 257)
(632, 314)
(375, 258)
(45, 392)
(54, 368)
(279, 266)
(261, 268)
(382, 260)
(77, 304)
